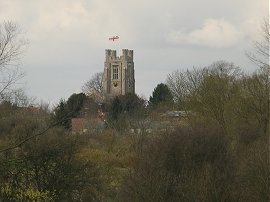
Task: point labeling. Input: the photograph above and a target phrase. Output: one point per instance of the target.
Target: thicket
(46, 166)
(221, 153)
(218, 152)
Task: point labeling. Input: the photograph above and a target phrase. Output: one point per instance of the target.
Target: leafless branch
(260, 54)
(12, 47)
(93, 88)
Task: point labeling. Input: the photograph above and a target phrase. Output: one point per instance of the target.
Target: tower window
(129, 83)
(115, 72)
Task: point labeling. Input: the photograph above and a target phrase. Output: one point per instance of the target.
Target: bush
(190, 164)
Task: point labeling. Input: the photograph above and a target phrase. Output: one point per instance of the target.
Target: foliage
(66, 110)
(45, 167)
(7, 194)
(221, 154)
(219, 150)
(161, 95)
(125, 107)
(187, 165)
(253, 106)
(253, 183)
(216, 93)
(116, 108)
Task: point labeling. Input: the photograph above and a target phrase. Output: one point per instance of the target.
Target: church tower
(118, 76)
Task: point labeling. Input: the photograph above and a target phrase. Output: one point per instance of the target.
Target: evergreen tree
(116, 108)
(128, 105)
(161, 94)
(66, 110)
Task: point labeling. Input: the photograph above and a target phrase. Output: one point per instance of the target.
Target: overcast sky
(68, 38)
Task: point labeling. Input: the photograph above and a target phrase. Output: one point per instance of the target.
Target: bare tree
(183, 83)
(260, 54)
(93, 87)
(12, 47)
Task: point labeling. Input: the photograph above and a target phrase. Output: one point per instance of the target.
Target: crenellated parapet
(127, 54)
(110, 54)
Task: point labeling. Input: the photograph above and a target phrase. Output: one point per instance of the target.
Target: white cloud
(213, 33)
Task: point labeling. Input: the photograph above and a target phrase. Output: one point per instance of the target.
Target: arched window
(115, 72)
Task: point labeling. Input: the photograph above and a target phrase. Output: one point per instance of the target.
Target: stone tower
(118, 76)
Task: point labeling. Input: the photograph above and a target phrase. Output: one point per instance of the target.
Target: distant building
(118, 76)
(86, 124)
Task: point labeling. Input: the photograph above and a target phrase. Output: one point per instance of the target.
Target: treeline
(222, 152)
(219, 151)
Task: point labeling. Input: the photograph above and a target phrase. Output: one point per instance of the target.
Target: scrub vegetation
(202, 136)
